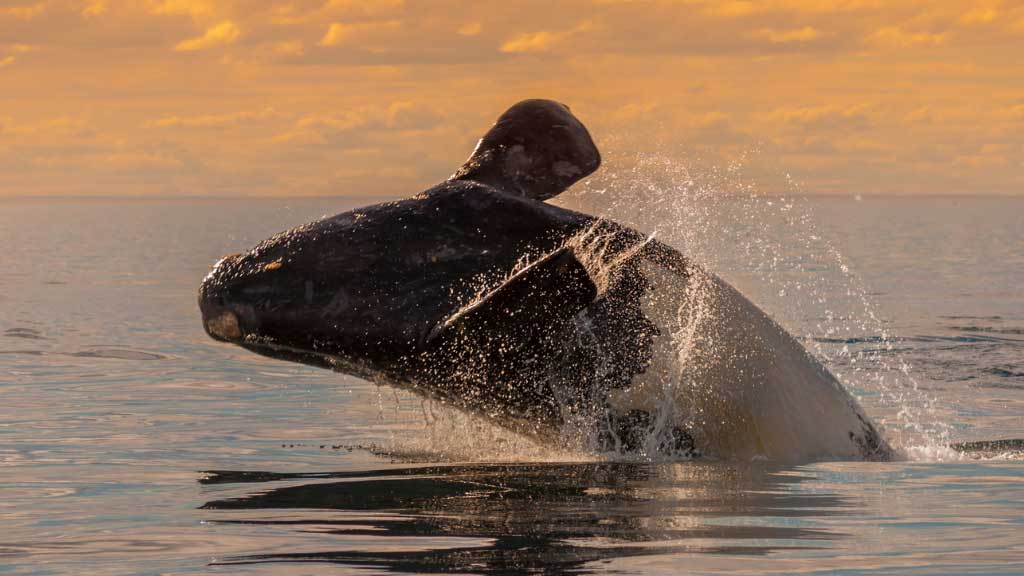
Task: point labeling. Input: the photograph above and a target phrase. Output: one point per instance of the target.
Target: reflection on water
(519, 518)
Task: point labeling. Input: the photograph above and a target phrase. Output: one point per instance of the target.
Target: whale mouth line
(267, 346)
(271, 348)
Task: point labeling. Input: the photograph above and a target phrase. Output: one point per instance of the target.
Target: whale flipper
(502, 344)
(549, 291)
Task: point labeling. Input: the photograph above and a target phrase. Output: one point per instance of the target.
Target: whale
(564, 327)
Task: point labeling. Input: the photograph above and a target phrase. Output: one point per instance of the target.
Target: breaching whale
(479, 294)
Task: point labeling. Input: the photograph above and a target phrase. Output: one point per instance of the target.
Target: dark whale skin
(368, 292)
(472, 292)
(377, 279)
(478, 294)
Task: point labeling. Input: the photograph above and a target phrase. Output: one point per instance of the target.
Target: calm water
(116, 412)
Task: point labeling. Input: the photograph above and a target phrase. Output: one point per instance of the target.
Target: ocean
(132, 443)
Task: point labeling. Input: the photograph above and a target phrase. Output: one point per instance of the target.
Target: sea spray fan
(773, 246)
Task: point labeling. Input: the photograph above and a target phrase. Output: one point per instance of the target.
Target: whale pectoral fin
(544, 294)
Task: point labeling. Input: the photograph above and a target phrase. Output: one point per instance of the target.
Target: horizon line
(386, 197)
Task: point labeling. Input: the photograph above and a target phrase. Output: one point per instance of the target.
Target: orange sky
(385, 97)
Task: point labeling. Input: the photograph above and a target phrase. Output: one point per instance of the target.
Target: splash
(422, 430)
(771, 248)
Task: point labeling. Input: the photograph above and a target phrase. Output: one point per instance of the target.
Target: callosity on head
(537, 148)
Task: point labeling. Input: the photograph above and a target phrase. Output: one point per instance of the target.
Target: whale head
(469, 292)
(361, 291)
(536, 149)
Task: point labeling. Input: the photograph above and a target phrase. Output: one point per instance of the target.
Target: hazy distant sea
(113, 402)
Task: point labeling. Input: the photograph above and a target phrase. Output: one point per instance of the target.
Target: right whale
(562, 326)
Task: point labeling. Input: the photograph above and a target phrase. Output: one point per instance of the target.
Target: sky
(386, 97)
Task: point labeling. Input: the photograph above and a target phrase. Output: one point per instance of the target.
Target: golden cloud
(95, 8)
(346, 120)
(290, 48)
(896, 36)
(214, 120)
(827, 80)
(805, 34)
(745, 8)
(24, 11)
(469, 29)
(336, 32)
(365, 6)
(60, 126)
(136, 161)
(730, 9)
(922, 115)
(979, 16)
(544, 40)
(21, 48)
(193, 8)
(292, 15)
(222, 34)
(828, 115)
(533, 42)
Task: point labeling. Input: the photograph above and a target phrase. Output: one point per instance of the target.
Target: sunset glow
(347, 97)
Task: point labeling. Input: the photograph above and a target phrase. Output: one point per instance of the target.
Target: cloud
(346, 120)
(140, 161)
(746, 9)
(23, 11)
(544, 40)
(829, 116)
(290, 48)
(979, 16)
(55, 127)
(301, 13)
(805, 34)
(214, 120)
(411, 116)
(369, 7)
(533, 42)
(469, 29)
(95, 8)
(193, 8)
(222, 34)
(922, 115)
(287, 15)
(338, 33)
(862, 95)
(354, 127)
(730, 9)
(896, 36)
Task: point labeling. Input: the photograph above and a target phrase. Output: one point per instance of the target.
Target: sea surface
(131, 443)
